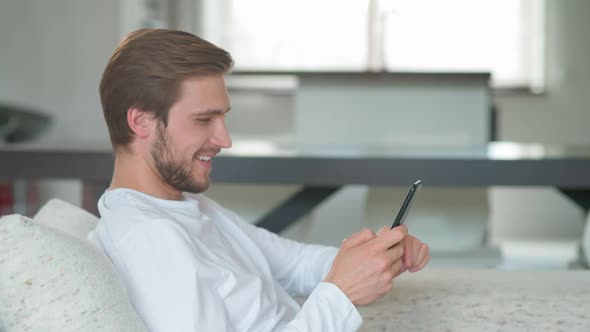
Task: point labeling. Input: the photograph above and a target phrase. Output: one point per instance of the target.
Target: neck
(135, 172)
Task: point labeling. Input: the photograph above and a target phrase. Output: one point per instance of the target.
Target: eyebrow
(209, 112)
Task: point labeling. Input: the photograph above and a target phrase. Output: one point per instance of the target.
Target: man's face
(196, 132)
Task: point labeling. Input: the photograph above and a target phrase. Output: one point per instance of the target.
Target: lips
(206, 155)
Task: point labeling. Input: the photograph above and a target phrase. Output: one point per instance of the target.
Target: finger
(424, 251)
(358, 238)
(397, 268)
(389, 238)
(401, 270)
(408, 250)
(423, 264)
(423, 254)
(381, 230)
(416, 245)
(395, 253)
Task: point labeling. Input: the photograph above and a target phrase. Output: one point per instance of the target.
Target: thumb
(382, 230)
(358, 238)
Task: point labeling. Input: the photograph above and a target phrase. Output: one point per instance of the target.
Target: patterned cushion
(52, 281)
(66, 217)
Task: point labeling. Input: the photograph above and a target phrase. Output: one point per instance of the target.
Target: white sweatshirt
(192, 265)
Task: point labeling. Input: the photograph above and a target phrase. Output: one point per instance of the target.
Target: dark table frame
(319, 176)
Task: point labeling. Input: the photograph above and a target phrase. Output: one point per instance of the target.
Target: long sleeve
(173, 290)
(298, 267)
(169, 289)
(326, 309)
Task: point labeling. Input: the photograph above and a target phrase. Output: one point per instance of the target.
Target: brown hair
(146, 71)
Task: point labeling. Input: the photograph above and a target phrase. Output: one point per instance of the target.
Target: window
(504, 37)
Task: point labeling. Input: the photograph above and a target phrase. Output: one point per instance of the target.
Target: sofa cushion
(52, 281)
(67, 218)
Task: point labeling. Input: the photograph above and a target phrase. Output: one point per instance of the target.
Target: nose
(221, 136)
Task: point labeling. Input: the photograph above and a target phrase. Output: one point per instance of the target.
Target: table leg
(582, 198)
(295, 207)
(579, 196)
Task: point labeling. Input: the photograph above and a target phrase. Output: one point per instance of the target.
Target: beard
(175, 171)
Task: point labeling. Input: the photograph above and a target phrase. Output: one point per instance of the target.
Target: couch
(53, 279)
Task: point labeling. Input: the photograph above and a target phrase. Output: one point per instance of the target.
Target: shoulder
(158, 238)
(125, 217)
(156, 247)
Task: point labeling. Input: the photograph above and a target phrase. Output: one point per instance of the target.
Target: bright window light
(504, 37)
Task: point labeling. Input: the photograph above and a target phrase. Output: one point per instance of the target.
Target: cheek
(183, 153)
(191, 152)
(196, 138)
(189, 142)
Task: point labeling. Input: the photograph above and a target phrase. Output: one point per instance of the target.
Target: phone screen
(404, 210)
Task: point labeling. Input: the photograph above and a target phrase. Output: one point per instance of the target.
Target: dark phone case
(403, 211)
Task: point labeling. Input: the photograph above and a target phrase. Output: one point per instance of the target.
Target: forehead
(203, 92)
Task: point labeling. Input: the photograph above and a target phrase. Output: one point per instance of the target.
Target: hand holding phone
(403, 212)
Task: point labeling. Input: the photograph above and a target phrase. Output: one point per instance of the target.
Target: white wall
(561, 116)
(52, 54)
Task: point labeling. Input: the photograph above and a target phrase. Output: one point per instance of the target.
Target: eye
(203, 120)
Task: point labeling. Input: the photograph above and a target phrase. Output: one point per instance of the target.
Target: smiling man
(189, 264)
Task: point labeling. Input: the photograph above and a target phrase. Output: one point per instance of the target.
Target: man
(189, 264)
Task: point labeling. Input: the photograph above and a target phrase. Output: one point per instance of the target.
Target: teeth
(204, 158)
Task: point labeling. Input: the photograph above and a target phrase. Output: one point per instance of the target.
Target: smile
(204, 158)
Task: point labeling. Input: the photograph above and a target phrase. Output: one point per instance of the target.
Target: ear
(140, 122)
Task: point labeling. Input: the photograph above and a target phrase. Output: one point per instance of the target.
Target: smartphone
(403, 212)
